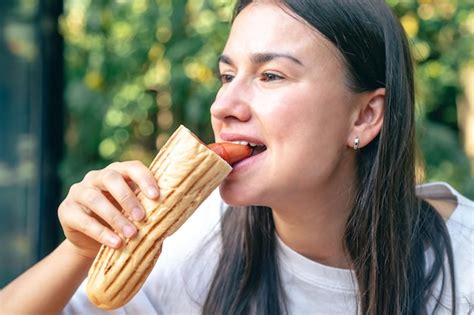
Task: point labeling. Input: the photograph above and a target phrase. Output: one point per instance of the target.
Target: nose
(232, 102)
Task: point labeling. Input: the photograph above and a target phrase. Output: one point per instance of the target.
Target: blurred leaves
(441, 33)
(137, 69)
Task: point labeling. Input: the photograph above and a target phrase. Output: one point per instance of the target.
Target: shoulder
(460, 224)
(457, 210)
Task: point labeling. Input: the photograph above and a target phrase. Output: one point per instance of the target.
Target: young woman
(324, 220)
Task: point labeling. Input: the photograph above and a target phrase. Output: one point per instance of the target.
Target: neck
(315, 226)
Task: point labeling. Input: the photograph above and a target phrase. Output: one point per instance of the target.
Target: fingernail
(128, 230)
(152, 192)
(113, 240)
(137, 214)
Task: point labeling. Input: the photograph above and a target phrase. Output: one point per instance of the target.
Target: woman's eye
(226, 78)
(268, 76)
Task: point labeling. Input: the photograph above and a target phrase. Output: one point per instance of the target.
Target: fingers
(81, 221)
(100, 207)
(118, 178)
(140, 175)
(94, 200)
(120, 190)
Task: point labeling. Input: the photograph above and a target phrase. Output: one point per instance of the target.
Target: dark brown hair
(389, 228)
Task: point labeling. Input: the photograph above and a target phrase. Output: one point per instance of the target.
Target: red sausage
(231, 152)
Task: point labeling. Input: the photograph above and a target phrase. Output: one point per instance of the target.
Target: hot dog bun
(187, 172)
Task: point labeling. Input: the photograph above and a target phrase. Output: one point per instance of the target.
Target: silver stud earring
(356, 143)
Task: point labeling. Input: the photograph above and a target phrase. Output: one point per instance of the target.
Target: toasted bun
(187, 172)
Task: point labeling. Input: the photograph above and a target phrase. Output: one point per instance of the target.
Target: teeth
(240, 142)
(253, 145)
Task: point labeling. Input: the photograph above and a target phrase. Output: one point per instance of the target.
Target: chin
(235, 198)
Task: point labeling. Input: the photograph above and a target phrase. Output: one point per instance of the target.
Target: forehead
(264, 25)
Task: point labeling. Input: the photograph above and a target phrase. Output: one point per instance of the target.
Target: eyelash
(226, 78)
(266, 76)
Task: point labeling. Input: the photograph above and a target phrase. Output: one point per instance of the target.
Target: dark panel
(31, 127)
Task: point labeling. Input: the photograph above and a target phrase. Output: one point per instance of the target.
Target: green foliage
(443, 158)
(137, 69)
(441, 33)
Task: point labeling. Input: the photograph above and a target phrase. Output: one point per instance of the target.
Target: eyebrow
(260, 58)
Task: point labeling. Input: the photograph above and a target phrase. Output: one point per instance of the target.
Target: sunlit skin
(285, 86)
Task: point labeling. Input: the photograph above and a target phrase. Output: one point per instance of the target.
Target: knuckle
(74, 188)
(61, 212)
(108, 175)
(62, 206)
(90, 175)
(113, 165)
(91, 197)
(116, 220)
(135, 164)
(85, 227)
(143, 173)
(126, 199)
(102, 235)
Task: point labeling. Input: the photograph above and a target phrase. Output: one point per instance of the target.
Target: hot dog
(187, 172)
(231, 152)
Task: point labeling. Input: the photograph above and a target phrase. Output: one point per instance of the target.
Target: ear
(367, 119)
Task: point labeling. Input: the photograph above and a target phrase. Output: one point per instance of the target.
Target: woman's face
(283, 86)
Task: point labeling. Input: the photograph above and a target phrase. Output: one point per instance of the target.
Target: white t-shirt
(180, 280)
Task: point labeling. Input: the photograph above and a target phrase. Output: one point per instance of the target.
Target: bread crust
(187, 172)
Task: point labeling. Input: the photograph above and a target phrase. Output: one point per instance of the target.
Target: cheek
(317, 112)
(312, 128)
(216, 127)
(297, 115)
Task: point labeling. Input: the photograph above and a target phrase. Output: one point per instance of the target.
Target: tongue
(231, 152)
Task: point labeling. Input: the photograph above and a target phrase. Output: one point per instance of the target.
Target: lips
(257, 145)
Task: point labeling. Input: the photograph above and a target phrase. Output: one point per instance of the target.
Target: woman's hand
(102, 207)
(98, 210)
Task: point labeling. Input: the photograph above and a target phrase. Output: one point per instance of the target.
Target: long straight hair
(389, 227)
